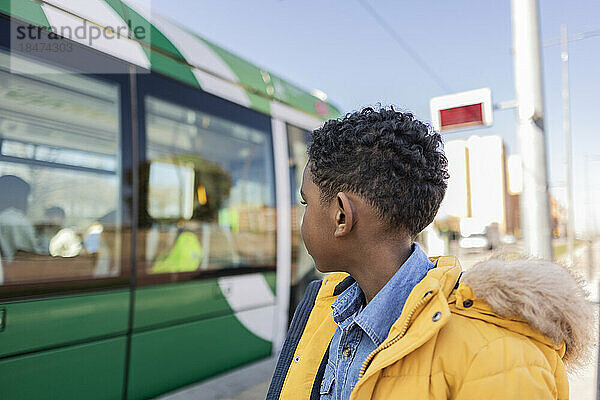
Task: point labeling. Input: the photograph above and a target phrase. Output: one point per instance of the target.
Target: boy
(394, 324)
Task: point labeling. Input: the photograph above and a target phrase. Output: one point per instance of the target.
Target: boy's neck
(379, 266)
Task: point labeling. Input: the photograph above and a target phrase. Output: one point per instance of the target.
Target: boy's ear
(344, 215)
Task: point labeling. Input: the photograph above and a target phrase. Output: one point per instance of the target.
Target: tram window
(171, 191)
(219, 176)
(303, 269)
(58, 145)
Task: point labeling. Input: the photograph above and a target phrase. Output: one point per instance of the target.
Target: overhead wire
(405, 46)
(574, 38)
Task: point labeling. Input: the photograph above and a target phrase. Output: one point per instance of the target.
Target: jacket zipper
(397, 338)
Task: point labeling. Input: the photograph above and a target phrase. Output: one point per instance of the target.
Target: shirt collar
(348, 303)
(385, 308)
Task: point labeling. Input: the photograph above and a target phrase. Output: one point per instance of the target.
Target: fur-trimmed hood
(535, 297)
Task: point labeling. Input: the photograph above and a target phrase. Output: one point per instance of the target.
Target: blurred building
(515, 186)
(558, 218)
(558, 214)
(487, 180)
(485, 187)
(478, 185)
(456, 202)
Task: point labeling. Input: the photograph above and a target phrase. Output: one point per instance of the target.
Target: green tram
(149, 221)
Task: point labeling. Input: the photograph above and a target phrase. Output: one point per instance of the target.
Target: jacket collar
(464, 302)
(426, 311)
(535, 298)
(377, 317)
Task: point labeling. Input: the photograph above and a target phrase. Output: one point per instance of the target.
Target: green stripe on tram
(164, 57)
(301, 99)
(262, 86)
(177, 302)
(26, 10)
(191, 328)
(168, 358)
(90, 371)
(249, 75)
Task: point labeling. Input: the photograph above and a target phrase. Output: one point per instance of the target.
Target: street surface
(251, 382)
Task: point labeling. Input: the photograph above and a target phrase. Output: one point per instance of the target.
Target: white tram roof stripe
(197, 53)
(69, 13)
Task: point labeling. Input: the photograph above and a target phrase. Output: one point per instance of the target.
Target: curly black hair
(392, 160)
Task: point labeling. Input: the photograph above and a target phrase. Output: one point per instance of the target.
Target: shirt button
(347, 352)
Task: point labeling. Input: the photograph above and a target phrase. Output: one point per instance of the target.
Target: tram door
(206, 240)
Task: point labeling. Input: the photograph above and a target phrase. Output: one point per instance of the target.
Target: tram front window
(58, 145)
(210, 199)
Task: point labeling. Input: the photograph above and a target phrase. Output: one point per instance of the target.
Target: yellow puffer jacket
(504, 332)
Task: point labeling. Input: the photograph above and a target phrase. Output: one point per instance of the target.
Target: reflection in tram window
(210, 192)
(58, 145)
(16, 231)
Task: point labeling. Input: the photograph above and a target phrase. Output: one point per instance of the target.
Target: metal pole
(534, 202)
(564, 56)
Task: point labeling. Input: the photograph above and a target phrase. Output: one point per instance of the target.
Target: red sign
(461, 117)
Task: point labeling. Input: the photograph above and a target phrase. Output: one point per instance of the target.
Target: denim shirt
(361, 329)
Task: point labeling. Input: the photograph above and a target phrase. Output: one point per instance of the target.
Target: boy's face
(318, 226)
